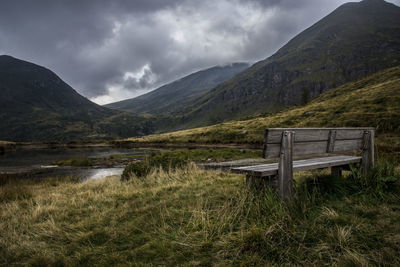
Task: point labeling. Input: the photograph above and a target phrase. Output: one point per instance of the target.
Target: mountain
(355, 40)
(370, 102)
(170, 98)
(36, 105)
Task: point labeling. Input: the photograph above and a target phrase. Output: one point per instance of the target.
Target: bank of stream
(50, 162)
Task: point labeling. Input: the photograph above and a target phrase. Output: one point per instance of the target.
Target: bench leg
(285, 166)
(336, 171)
(285, 183)
(367, 161)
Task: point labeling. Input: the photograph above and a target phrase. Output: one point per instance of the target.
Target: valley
(148, 181)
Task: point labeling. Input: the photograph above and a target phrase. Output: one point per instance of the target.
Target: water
(37, 162)
(104, 172)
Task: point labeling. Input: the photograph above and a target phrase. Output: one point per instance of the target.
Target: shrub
(382, 177)
(165, 161)
(139, 169)
(168, 161)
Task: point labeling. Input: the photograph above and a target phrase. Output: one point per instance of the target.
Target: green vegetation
(177, 159)
(195, 217)
(125, 156)
(6, 143)
(163, 158)
(76, 162)
(201, 155)
(372, 101)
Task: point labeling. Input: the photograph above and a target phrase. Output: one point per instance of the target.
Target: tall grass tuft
(381, 179)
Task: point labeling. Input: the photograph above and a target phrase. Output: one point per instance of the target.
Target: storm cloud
(113, 50)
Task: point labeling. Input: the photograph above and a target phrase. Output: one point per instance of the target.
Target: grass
(372, 101)
(198, 155)
(197, 217)
(201, 155)
(177, 159)
(76, 162)
(6, 143)
(125, 156)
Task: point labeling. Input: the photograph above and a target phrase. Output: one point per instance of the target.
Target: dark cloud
(110, 50)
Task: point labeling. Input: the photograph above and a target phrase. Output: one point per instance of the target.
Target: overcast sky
(113, 50)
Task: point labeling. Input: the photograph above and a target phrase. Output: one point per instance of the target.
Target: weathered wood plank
(319, 147)
(274, 135)
(331, 141)
(298, 165)
(285, 165)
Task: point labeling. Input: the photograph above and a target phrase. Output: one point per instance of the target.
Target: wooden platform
(264, 170)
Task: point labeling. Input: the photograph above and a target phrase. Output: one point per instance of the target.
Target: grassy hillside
(191, 217)
(354, 41)
(372, 101)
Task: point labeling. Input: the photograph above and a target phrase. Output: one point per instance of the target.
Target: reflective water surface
(37, 162)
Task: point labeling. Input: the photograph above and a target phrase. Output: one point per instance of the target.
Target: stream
(38, 162)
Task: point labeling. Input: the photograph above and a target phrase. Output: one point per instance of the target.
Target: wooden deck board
(298, 165)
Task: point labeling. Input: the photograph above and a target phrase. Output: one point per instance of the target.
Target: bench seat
(265, 170)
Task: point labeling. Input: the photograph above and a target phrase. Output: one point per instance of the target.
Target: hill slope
(355, 40)
(372, 101)
(36, 105)
(170, 98)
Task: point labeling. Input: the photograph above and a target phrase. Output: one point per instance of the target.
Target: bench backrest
(318, 140)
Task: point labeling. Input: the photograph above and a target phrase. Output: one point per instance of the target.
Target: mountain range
(171, 98)
(353, 42)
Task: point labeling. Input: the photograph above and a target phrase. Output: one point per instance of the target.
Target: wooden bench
(286, 143)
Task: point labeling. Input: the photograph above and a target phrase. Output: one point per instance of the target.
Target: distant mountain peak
(164, 99)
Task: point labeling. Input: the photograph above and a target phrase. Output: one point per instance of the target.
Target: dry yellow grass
(193, 217)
